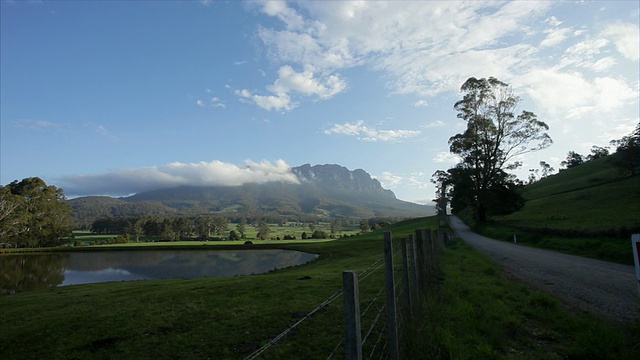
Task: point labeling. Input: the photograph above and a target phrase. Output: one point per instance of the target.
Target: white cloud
(388, 179)
(419, 180)
(569, 95)
(217, 102)
(618, 131)
(305, 83)
(555, 36)
(280, 101)
(291, 82)
(362, 132)
(103, 130)
(569, 71)
(39, 125)
(446, 157)
(553, 21)
(392, 36)
(555, 91)
(625, 38)
(434, 124)
(213, 101)
(583, 53)
(213, 173)
(603, 64)
(611, 94)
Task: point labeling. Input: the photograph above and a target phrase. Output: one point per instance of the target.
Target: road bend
(603, 288)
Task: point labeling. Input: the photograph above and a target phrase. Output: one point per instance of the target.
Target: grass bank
(474, 312)
(478, 312)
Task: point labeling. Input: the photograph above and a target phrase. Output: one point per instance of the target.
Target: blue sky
(115, 97)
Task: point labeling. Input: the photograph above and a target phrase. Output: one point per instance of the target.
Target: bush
(233, 235)
(319, 234)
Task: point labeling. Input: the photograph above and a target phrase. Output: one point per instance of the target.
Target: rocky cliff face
(333, 177)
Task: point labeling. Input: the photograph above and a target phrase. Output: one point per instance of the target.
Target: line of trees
(166, 228)
(204, 227)
(626, 154)
(33, 214)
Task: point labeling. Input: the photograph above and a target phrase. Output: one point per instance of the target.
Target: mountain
(323, 191)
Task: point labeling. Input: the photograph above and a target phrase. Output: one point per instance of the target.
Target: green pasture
(599, 207)
(471, 312)
(593, 173)
(87, 238)
(280, 231)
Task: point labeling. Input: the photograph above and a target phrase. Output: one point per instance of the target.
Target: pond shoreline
(40, 270)
(157, 246)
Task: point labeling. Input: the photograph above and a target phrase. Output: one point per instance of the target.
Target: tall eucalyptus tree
(494, 137)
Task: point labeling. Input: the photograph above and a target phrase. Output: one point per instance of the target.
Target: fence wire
(377, 329)
(330, 299)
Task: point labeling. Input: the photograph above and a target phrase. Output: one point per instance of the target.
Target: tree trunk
(481, 213)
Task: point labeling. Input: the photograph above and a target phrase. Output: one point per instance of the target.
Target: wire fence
(389, 292)
(407, 269)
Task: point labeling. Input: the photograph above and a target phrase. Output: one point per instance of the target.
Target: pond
(26, 272)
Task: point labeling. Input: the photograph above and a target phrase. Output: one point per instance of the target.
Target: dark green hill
(591, 196)
(86, 209)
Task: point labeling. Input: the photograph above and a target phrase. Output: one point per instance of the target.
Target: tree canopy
(628, 153)
(494, 137)
(33, 214)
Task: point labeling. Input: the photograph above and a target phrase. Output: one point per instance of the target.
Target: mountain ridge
(322, 191)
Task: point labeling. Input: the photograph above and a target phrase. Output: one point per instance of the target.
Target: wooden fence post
(352, 334)
(426, 238)
(405, 275)
(413, 269)
(392, 325)
(420, 263)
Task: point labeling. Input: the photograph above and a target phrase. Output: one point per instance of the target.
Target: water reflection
(37, 271)
(20, 273)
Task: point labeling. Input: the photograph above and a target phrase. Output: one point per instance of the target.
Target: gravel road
(603, 288)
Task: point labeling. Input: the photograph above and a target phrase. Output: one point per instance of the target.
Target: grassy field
(590, 200)
(87, 238)
(472, 312)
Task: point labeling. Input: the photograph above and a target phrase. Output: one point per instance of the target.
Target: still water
(27, 272)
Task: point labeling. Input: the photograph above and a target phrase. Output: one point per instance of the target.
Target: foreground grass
(477, 312)
(473, 313)
(218, 318)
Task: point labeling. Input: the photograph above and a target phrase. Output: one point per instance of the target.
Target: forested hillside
(323, 192)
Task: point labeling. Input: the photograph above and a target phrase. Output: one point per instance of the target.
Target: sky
(118, 97)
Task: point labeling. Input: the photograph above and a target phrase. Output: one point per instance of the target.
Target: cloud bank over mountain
(214, 173)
